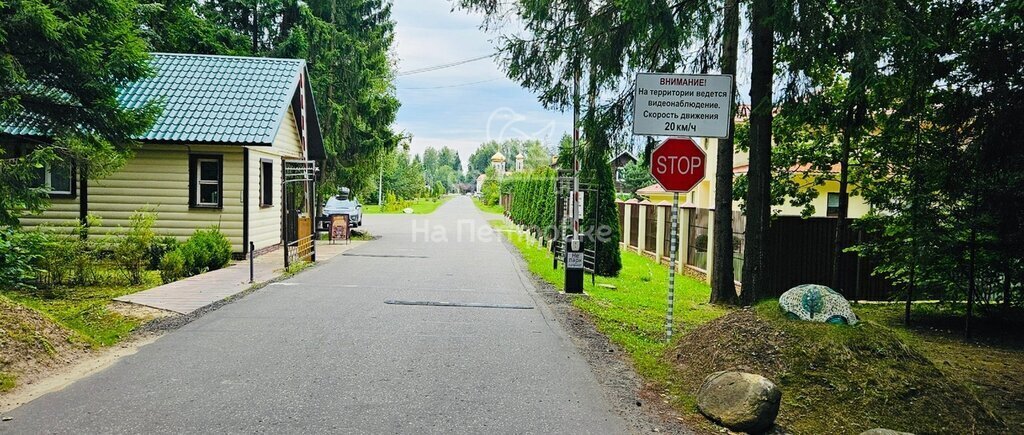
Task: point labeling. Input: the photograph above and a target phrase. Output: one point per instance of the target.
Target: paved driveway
(322, 352)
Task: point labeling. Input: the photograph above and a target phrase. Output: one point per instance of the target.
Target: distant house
(236, 147)
(826, 204)
(480, 179)
(618, 164)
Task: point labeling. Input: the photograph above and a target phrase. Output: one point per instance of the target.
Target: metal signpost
(676, 105)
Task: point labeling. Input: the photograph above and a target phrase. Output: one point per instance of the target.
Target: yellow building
(235, 147)
(703, 196)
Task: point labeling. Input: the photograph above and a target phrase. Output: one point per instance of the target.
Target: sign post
(680, 105)
(678, 165)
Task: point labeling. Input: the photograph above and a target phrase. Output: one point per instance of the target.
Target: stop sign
(678, 164)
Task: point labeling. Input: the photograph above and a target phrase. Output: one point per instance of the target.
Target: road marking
(383, 255)
(458, 304)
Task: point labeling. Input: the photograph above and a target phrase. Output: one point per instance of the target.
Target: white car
(351, 207)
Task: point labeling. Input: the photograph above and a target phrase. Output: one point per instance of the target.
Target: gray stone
(817, 303)
(881, 431)
(739, 401)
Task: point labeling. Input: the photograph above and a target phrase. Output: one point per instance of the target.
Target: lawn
(633, 313)
(418, 206)
(822, 369)
(496, 208)
(85, 309)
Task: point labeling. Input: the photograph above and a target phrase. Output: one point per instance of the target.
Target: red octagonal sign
(678, 164)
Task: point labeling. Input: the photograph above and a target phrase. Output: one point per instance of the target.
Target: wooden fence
(800, 251)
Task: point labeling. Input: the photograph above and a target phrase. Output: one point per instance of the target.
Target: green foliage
(62, 64)
(636, 176)
(536, 155)
(206, 250)
(19, 256)
(172, 266)
(532, 201)
(159, 247)
(132, 249)
(491, 189)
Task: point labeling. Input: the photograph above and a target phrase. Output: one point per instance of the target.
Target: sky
(466, 105)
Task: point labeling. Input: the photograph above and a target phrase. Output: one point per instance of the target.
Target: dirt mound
(834, 379)
(31, 343)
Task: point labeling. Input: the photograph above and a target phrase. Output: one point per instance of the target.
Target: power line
(450, 86)
(442, 66)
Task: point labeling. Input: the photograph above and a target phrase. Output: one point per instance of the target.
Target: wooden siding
(61, 212)
(157, 178)
(287, 142)
(264, 222)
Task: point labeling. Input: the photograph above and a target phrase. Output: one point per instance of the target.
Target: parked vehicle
(343, 205)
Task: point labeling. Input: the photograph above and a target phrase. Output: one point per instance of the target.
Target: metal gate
(298, 185)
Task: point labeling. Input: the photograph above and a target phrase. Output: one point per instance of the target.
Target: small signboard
(682, 105)
(573, 260)
(339, 227)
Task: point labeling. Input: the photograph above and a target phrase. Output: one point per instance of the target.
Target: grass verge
(418, 206)
(496, 208)
(835, 379)
(85, 309)
(632, 314)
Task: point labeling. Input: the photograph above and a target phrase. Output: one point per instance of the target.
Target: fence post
(627, 210)
(641, 223)
(659, 250)
(684, 238)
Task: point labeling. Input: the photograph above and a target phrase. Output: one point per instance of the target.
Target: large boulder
(817, 303)
(739, 401)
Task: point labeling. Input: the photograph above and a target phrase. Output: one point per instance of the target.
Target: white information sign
(574, 260)
(696, 105)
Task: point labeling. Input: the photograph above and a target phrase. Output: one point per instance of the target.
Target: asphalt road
(323, 352)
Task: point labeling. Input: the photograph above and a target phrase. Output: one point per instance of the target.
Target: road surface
(323, 352)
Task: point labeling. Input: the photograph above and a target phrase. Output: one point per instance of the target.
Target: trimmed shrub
(206, 250)
(172, 266)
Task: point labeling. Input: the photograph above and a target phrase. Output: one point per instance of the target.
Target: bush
(19, 254)
(206, 250)
(160, 247)
(131, 249)
(392, 203)
(172, 266)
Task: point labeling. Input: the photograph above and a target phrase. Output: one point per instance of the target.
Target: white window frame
(200, 182)
(48, 180)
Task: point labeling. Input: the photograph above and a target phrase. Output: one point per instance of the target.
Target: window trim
(828, 208)
(263, 194)
(62, 194)
(193, 180)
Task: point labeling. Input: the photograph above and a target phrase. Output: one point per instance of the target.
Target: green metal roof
(208, 99)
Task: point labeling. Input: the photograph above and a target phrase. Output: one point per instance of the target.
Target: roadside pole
(572, 244)
(678, 106)
(672, 267)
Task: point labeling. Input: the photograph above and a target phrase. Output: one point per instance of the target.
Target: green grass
(84, 309)
(7, 381)
(633, 313)
(496, 208)
(418, 206)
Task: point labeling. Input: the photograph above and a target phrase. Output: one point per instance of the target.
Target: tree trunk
(758, 201)
(723, 289)
(970, 284)
(910, 294)
(1006, 287)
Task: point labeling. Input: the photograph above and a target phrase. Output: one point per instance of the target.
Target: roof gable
(208, 99)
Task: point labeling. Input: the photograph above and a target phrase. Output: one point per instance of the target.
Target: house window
(206, 181)
(57, 177)
(266, 182)
(833, 205)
